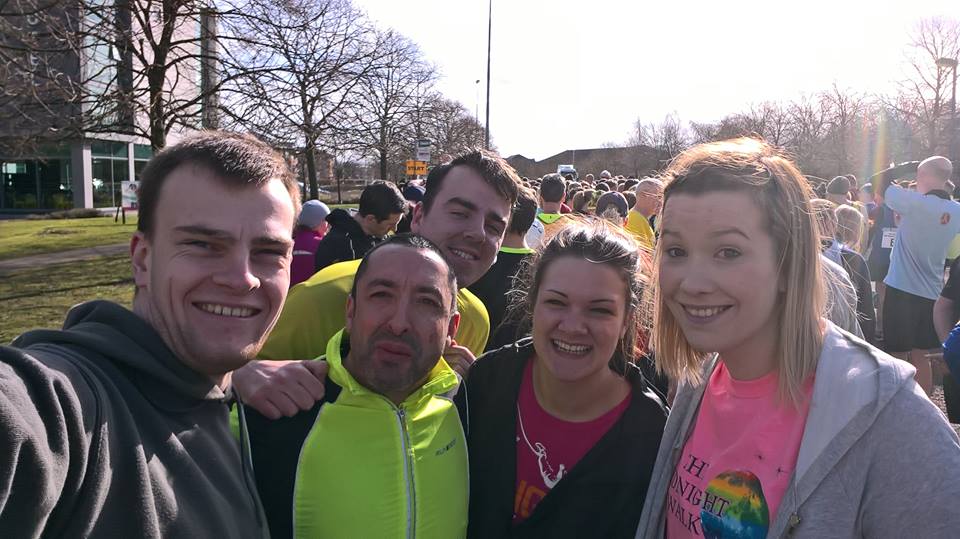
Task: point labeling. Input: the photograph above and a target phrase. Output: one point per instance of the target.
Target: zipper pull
(792, 523)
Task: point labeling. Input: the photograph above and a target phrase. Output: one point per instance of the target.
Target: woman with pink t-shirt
(310, 229)
(783, 424)
(562, 427)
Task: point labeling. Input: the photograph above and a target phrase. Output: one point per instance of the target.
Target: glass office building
(53, 180)
(86, 170)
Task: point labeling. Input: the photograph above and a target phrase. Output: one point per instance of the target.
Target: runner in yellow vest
(649, 196)
(553, 191)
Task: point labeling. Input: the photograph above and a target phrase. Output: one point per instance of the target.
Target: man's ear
(370, 221)
(454, 326)
(351, 311)
(140, 256)
(419, 212)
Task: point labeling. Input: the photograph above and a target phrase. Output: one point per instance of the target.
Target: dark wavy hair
(599, 242)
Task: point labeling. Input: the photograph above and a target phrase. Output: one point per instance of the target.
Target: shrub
(76, 213)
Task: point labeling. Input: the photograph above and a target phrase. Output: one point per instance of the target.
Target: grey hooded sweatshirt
(105, 433)
(877, 458)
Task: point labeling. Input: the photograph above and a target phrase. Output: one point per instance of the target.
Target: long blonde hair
(850, 226)
(782, 193)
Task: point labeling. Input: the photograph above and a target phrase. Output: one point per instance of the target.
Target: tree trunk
(383, 164)
(312, 170)
(158, 131)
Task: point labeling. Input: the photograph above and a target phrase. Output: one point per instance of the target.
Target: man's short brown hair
(491, 167)
(238, 160)
(553, 188)
(524, 212)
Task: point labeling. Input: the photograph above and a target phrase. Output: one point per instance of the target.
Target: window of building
(141, 155)
(41, 183)
(110, 162)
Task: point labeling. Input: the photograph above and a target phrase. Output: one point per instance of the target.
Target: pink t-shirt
(548, 448)
(739, 460)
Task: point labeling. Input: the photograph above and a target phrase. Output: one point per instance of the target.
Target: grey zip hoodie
(105, 433)
(877, 458)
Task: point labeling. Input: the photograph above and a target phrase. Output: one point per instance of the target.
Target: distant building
(85, 170)
(636, 161)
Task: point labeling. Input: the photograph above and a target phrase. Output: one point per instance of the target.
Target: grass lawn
(23, 237)
(40, 298)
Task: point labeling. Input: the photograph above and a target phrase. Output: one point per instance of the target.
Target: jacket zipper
(408, 475)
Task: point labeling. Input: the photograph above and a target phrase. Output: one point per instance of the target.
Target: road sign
(424, 147)
(416, 168)
(129, 191)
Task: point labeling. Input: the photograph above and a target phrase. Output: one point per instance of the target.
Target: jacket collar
(549, 218)
(854, 383)
(441, 380)
(639, 429)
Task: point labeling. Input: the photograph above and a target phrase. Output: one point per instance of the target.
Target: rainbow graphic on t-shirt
(734, 507)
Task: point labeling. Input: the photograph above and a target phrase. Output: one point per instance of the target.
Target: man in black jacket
(353, 233)
(117, 425)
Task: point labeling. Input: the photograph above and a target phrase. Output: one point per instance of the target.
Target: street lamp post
(486, 127)
(476, 112)
(954, 152)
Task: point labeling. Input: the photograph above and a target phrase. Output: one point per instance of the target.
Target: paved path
(73, 255)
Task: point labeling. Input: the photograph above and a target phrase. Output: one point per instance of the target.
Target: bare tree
(668, 136)
(302, 74)
(845, 114)
(701, 132)
(133, 67)
(924, 94)
(809, 127)
(35, 94)
(393, 101)
(768, 120)
(451, 127)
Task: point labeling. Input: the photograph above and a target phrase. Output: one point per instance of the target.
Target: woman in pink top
(783, 424)
(311, 226)
(562, 427)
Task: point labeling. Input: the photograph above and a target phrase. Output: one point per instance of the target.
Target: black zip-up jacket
(345, 240)
(859, 274)
(602, 496)
(104, 432)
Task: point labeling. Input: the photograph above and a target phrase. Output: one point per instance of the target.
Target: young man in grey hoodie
(117, 425)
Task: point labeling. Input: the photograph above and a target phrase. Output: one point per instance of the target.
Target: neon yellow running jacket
(357, 465)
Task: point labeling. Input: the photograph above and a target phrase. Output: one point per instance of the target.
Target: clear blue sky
(577, 74)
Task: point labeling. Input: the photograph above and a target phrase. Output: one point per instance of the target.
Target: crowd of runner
(728, 349)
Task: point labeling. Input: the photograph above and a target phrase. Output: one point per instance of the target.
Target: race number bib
(889, 236)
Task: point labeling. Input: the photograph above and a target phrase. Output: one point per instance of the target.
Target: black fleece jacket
(602, 496)
(859, 274)
(105, 433)
(345, 240)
